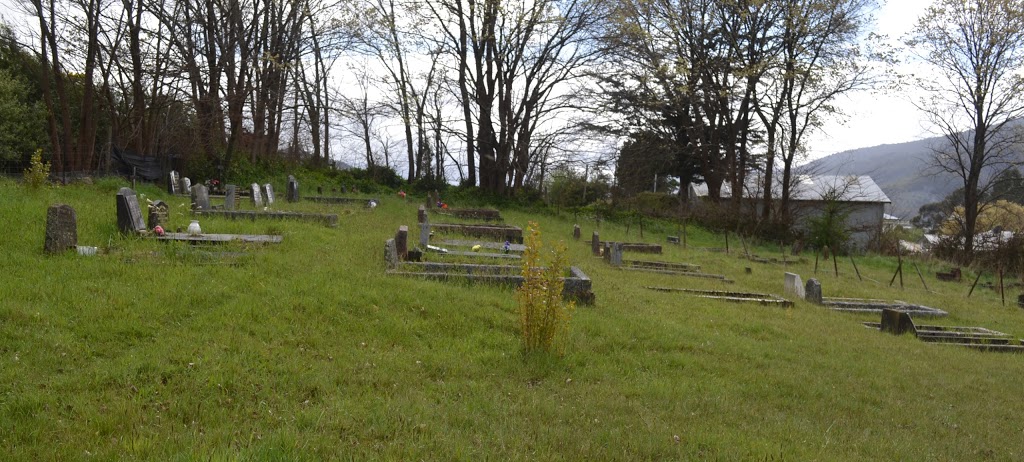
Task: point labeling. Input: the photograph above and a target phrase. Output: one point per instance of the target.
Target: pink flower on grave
(159, 230)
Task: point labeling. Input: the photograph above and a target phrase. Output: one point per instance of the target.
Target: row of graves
(487, 253)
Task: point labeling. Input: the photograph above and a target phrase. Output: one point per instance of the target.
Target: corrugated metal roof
(846, 188)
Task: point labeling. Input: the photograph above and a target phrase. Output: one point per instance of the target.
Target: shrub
(38, 171)
(543, 314)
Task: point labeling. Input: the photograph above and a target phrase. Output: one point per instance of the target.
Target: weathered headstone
(61, 229)
(794, 286)
(595, 244)
(230, 192)
(129, 216)
(812, 292)
(402, 242)
(158, 214)
(319, 191)
(200, 198)
(257, 196)
(1020, 300)
(390, 254)
(268, 193)
(421, 215)
(172, 182)
(424, 234)
(186, 186)
(616, 251)
(897, 322)
(292, 194)
(576, 232)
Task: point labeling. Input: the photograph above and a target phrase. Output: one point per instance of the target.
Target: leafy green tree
(21, 121)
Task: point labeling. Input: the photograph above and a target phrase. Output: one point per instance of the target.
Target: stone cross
(229, 196)
(812, 291)
(200, 198)
(158, 213)
(268, 192)
(794, 286)
(292, 194)
(595, 244)
(390, 254)
(61, 229)
(576, 232)
(257, 196)
(402, 242)
(129, 216)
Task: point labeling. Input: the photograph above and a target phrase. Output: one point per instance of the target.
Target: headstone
(390, 254)
(576, 232)
(319, 191)
(172, 182)
(402, 242)
(415, 255)
(897, 322)
(673, 239)
(257, 196)
(616, 258)
(268, 194)
(159, 212)
(292, 194)
(230, 192)
(1020, 300)
(794, 286)
(129, 216)
(186, 186)
(812, 292)
(424, 234)
(595, 244)
(421, 215)
(344, 190)
(200, 198)
(61, 229)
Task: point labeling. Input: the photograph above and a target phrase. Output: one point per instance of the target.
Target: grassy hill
(306, 350)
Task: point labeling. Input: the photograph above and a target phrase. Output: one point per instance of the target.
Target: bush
(543, 314)
(38, 171)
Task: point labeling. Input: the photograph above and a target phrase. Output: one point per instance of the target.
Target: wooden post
(969, 292)
(727, 243)
(835, 263)
(1002, 294)
(684, 233)
(855, 269)
(744, 242)
(900, 256)
(925, 284)
(816, 253)
(898, 268)
(641, 227)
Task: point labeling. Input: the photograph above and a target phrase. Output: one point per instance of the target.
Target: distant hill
(901, 170)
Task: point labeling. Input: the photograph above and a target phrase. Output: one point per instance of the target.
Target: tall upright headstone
(61, 229)
(129, 216)
(390, 254)
(794, 286)
(186, 186)
(595, 244)
(616, 251)
(424, 234)
(172, 182)
(230, 195)
(402, 242)
(268, 193)
(200, 198)
(576, 232)
(293, 189)
(257, 196)
(421, 215)
(158, 214)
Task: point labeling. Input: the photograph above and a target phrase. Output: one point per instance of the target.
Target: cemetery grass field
(306, 350)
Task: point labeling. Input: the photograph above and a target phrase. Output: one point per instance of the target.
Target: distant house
(859, 197)
(893, 222)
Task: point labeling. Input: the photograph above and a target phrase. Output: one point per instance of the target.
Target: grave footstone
(390, 254)
(812, 292)
(794, 286)
(268, 194)
(293, 189)
(61, 229)
(421, 215)
(616, 251)
(186, 186)
(576, 232)
(595, 244)
(158, 214)
(257, 196)
(129, 216)
(402, 242)
(229, 196)
(200, 198)
(424, 234)
(172, 183)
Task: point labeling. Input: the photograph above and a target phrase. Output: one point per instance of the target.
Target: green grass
(307, 351)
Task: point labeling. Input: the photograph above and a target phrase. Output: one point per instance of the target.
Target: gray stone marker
(421, 215)
(172, 182)
(424, 234)
(390, 254)
(812, 291)
(576, 232)
(794, 286)
(292, 195)
(200, 198)
(268, 193)
(230, 191)
(897, 322)
(257, 196)
(61, 229)
(159, 212)
(595, 244)
(186, 186)
(129, 216)
(673, 239)
(402, 242)
(616, 251)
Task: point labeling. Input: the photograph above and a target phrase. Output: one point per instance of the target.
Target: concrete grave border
(738, 297)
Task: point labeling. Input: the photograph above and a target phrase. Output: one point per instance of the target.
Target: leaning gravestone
(257, 196)
(595, 244)
(172, 182)
(813, 291)
(129, 216)
(158, 214)
(402, 242)
(576, 232)
(794, 286)
(268, 192)
(186, 186)
(229, 196)
(61, 229)
(200, 198)
(293, 189)
(390, 254)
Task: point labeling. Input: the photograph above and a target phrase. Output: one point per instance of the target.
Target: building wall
(864, 220)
